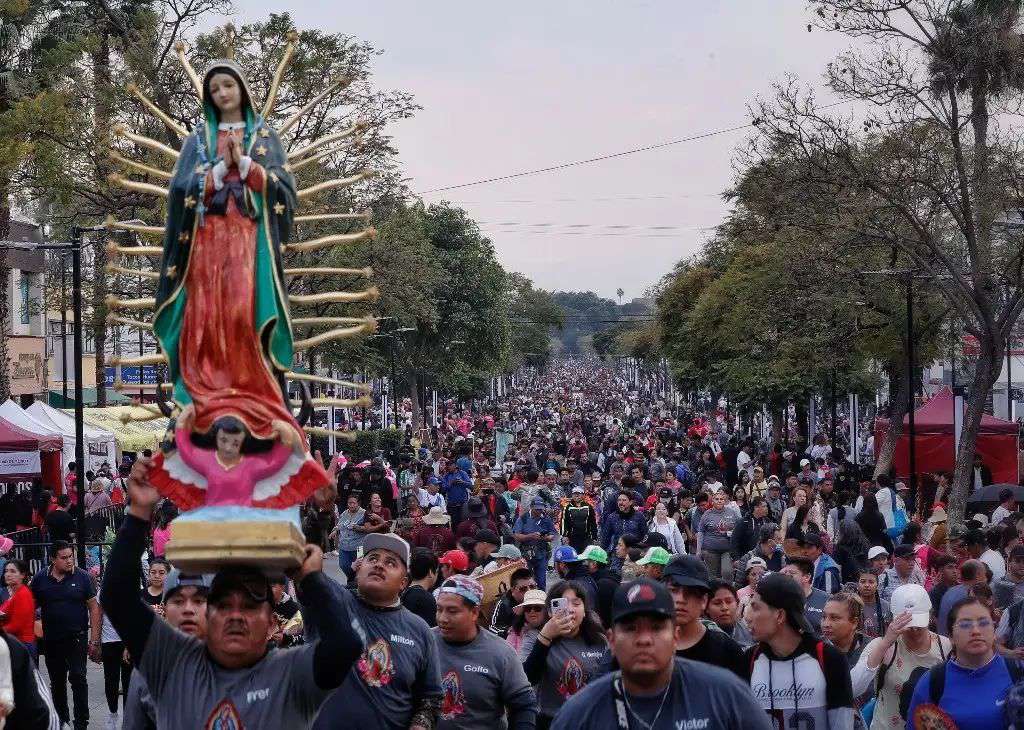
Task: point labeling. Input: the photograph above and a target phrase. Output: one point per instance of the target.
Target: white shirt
(999, 514)
(744, 462)
(995, 562)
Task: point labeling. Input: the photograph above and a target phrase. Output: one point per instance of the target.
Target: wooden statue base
(196, 546)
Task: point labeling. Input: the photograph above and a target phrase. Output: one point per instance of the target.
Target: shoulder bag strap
(619, 699)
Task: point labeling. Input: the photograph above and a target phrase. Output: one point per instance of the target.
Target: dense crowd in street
(573, 554)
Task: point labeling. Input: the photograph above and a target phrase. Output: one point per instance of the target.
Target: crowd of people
(572, 554)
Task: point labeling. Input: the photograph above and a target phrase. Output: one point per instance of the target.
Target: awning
(132, 436)
(56, 397)
(100, 445)
(49, 438)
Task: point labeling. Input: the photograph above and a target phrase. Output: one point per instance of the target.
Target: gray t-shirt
(716, 526)
(570, 665)
(138, 706)
(479, 680)
(398, 668)
(190, 691)
(700, 697)
(814, 608)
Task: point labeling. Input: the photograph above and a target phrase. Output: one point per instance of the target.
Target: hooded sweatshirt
(809, 688)
(827, 575)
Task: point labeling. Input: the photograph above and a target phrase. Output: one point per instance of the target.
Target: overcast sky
(516, 86)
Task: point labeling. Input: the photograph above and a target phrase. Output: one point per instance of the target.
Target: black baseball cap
(686, 571)
(778, 590)
(904, 551)
(489, 537)
(249, 581)
(642, 596)
(812, 539)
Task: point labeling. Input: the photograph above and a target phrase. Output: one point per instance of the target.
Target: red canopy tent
(16, 463)
(933, 426)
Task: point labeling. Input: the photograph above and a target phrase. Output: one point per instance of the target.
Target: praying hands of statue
(234, 151)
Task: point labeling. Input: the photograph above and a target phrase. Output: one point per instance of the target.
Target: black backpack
(937, 682)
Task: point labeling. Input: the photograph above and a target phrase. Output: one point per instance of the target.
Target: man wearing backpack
(798, 679)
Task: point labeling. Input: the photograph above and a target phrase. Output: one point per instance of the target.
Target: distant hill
(587, 313)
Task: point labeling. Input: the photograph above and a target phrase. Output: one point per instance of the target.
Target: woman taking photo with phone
(568, 649)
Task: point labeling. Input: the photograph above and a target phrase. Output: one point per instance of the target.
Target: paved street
(98, 713)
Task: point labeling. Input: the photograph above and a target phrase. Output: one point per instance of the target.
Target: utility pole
(74, 247)
(76, 303)
(911, 389)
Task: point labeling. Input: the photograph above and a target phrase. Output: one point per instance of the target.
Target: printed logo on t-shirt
(453, 702)
(224, 717)
(375, 665)
(572, 679)
(693, 723)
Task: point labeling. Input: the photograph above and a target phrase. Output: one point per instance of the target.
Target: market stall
(934, 439)
(132, 437)
(14, 413)
(100, 444)
(26, 462)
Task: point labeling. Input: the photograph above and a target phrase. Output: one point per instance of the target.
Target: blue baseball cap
(433, 480)
(566, 554)
(538, 503)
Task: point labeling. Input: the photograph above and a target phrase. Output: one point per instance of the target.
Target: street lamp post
(74, 247)
(64, 328)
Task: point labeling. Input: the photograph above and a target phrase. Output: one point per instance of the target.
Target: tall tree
(925, 154)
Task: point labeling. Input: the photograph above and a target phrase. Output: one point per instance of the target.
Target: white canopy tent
(100, 444)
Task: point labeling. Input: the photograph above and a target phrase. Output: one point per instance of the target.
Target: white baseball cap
(804, 462)
(913, 598)
(876, 551)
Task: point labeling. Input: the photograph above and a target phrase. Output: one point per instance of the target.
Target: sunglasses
(533, 609)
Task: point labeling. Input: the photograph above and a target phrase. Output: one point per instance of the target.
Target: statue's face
(226, 92)
(229, 444)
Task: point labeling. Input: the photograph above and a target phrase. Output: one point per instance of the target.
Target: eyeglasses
(968, 624)
(533, 609)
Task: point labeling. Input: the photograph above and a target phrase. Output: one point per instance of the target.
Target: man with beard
(654, 690)
(395, 684)
(482, 677)
(195, 684)
(624, 521)
(184, 609)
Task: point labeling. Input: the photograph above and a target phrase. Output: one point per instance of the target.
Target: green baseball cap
(593, 552)
(655, 555)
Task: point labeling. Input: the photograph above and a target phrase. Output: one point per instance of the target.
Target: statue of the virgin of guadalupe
(222, 312)
(236, 459)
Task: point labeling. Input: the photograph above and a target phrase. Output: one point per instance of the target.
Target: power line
(609, 226)
(602, 158)
(597, 199)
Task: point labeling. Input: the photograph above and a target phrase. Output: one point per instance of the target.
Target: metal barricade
(37, 554)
